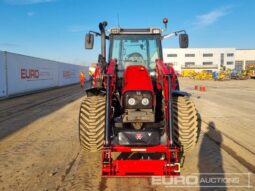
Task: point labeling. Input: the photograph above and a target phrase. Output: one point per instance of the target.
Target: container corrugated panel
(67, 74)
(25, 74)
(3, 85)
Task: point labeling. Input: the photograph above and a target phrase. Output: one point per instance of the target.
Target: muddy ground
(39, 147)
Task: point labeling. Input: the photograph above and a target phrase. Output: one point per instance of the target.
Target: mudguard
(180, 93)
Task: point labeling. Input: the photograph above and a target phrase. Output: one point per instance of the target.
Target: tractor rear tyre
(92, 123)
(185, 123)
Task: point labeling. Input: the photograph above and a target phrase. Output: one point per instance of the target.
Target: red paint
(163, 70)
(66, 74)
(29, 73)
(202, 88)
(112, 72)
(137, 78)
(163, 73)
(141, 167)
(97, 76)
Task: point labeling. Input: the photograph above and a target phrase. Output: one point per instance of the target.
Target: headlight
(138, 100)
(115, 30)
(131, 101)
(145, 101)
(156, 31)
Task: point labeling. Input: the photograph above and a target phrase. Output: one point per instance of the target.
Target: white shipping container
(68, 74)
(26, 73)
(3, 87)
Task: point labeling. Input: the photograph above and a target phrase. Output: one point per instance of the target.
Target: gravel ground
(39, 147)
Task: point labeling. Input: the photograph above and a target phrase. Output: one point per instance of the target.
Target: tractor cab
(136, 52)
(135, 47)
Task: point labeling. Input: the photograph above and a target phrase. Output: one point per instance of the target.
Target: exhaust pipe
(102, 26)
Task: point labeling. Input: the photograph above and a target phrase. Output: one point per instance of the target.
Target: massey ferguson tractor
(135, 113)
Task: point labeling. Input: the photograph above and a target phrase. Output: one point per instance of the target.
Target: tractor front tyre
(185, 123)
(92, 123)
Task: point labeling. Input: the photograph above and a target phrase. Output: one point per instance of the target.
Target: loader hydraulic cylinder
(108, 111)
(170, 111)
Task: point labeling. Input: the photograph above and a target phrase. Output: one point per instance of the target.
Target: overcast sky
(55, 29)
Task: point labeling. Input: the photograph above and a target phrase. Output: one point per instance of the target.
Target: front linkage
(168, 164)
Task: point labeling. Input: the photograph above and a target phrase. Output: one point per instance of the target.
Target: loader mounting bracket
(167, 165)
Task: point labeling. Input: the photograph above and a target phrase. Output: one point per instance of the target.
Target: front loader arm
(166, 82)
(101, 69)
(110, 85)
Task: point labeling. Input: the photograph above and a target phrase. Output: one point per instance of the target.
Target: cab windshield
(136, 50)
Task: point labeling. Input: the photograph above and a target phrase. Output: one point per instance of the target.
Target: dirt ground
(39, 147)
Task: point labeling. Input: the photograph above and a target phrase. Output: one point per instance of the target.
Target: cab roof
(135, 31)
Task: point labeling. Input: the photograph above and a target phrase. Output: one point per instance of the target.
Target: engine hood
(137, 78)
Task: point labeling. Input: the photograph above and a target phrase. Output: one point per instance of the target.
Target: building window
(171, 55)
(250, 62)
(230, 55)
(188, 64)
(239, 65)
(208, 55)
(189, 55)
(207, 63)
(239, 62)
(230, 63)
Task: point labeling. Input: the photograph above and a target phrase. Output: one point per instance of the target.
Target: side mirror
(184, 40)
(89, 41)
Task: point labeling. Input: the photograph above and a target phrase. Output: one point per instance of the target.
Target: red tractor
(135, 113)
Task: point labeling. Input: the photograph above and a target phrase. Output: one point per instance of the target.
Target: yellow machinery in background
(92, 69)
(204, 75)
(241, 75)
(250, 69)
(188, 73)
(251, 73)
(224, 74)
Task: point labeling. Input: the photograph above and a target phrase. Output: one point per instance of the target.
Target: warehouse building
(209, 59)
(245, 58)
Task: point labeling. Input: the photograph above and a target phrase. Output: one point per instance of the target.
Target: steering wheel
(134, 58)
